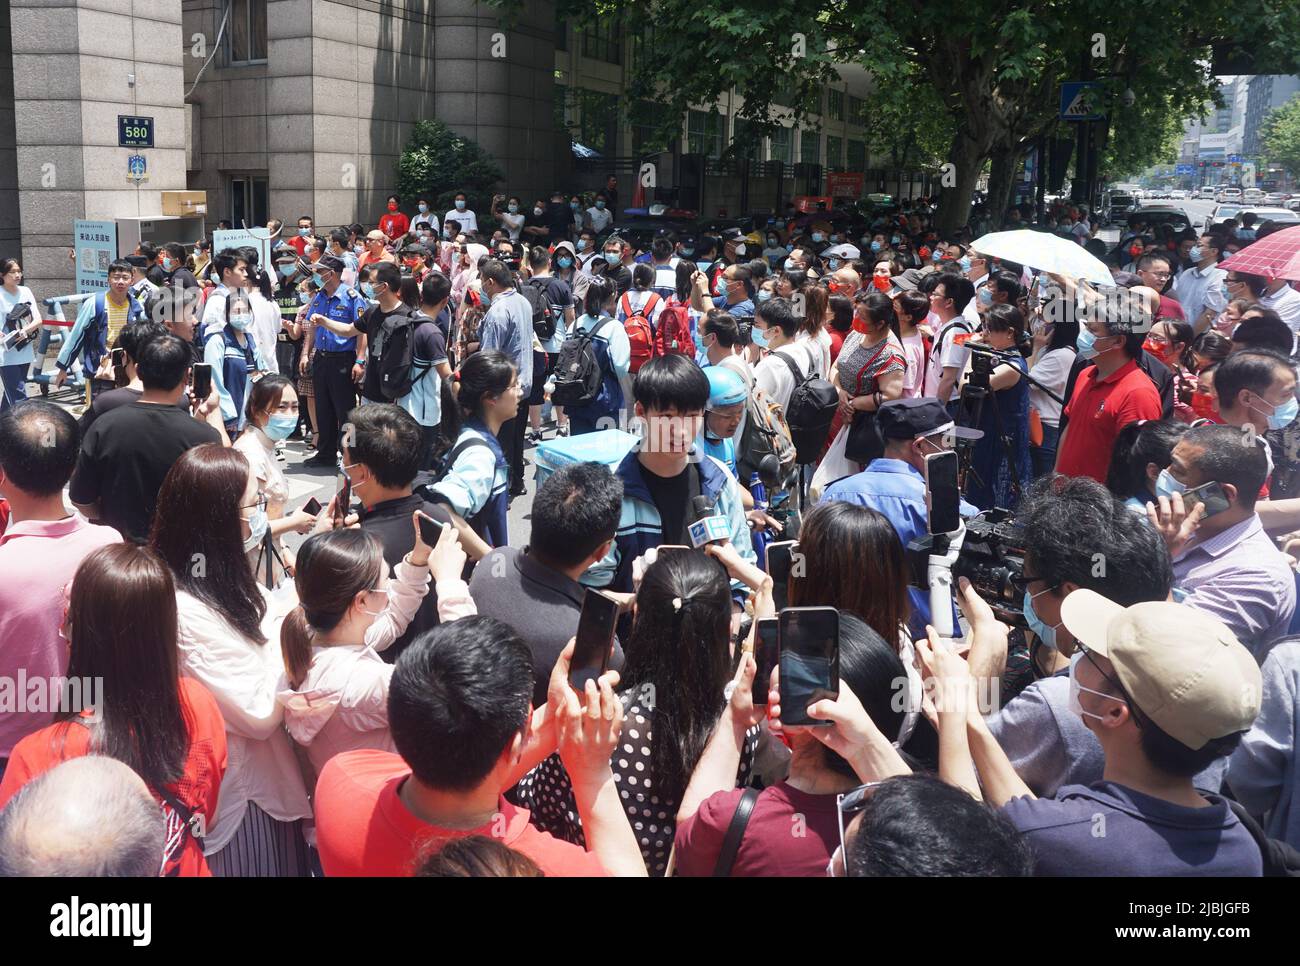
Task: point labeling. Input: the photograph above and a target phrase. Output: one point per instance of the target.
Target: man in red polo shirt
(460, 712)
(1108, 395)
(299, 241)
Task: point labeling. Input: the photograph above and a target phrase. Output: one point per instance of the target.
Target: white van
(1208, 192)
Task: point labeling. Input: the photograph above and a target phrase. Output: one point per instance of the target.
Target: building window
(782, 145)
(248, 200)
(598, 121)
(834, 153)
(246, 32)
(835, 104)
(748, 143)
(561, 34)
(604, 41)
(652, 115)
(854, 108)
(640, 47)
(561, 106)
(810, 147)
(857, 160)
(704, 133)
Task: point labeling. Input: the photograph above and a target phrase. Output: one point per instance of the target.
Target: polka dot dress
(652, 810)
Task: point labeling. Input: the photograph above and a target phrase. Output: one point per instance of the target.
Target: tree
(1281, 136)
(437, 163)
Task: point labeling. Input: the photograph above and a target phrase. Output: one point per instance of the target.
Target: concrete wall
(71, 61)
(10, 227)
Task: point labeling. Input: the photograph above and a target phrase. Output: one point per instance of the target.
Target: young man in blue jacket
(665, 472)
(99, 320)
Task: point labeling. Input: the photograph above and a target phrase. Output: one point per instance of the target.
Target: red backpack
(640, 334)
(673, 334)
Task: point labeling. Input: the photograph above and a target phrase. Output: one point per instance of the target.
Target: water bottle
(761, 536)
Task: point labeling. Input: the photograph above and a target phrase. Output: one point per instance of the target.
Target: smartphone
(342, 501)
(808, 643)
(777, 564)
(119, 367)
(595, 638)
(430, 529)
(312, 506)
(1211, 494)
(666, 548)
(201, 381)
(766, 651)
(942, 499)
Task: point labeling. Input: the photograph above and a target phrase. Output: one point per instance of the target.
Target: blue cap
(726, 388)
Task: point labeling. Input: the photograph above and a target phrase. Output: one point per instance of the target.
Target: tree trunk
(1002, 173)
(966, 157)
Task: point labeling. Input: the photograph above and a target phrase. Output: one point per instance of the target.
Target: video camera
(992, 557)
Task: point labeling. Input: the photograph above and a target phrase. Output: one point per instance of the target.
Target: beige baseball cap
(1183, 668)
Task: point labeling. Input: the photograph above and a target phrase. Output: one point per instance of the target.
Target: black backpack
(543, 314)
(578, 377)
(811, 411)
(392, 352)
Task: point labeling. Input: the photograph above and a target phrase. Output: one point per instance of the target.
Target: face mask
(392, 206)
(582, 244)
(487, 299)
(257, 524)
(167, 264)
(359, 248)
(687, 252)
(304, 232)
(789, 265)
(818, 236)
(600, 205)
(764, 294)
(537, 212)
(368, 290)
(1195, 253)
(241, 322)
(1076, 687)
(1282, 416)
(936, 255)
(883, 284)
(1086, 343)
(759, 337)
(773, 243)
(720, 286)
(424, 209)
(895, 240)
(834, 264)
(573, 205)
(964, 262)
(287, 270)
(876, 246)
(280, 426)
(318, 281)
(1044, 633)
(380, 612)
(512, 208)
(613, 258)
(986, 297)
(564, 262)
(1158, 349)
(460, 204)
(303, 297)
(1167, 485)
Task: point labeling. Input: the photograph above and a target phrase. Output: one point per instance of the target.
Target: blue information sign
(134, 132)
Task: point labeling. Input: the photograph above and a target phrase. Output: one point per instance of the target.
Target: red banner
(845, 184)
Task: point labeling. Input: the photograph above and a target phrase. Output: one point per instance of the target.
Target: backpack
(937, 346)
(674, 331)
(392, 352)
(766, 431)
(442, 466)
(640, 334)
(811, 411)
(543, 314)
(578, 377)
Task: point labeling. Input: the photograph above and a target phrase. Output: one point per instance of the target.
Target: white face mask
(1076, 687)
(377, 613)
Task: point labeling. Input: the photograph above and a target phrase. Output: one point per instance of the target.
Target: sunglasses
(848, 804)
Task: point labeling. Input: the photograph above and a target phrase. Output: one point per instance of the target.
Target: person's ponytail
(450, 422)
(295, 643)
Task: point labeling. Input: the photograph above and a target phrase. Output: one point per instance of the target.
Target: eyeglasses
(260, 504)
(849, 804)
(1082, 649)
(1021, 582)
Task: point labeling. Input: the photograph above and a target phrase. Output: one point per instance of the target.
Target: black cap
(331, 263)
(924, 416)
(136, 261)
(283, 251)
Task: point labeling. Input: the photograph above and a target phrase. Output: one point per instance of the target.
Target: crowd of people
(392, 695)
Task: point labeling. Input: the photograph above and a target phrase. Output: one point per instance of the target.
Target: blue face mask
(1195, 253)
(487, 299)
(279, 426)
(512, 208)
(986, 296)
(1167, 486)
(564, 262)
(241, 323)
(876, 246)
(1042, 631)
(303, 297)
(582, 244)
(834, 264)
(895, 240)
(287, 270)
(573, 205)
(460, 204)
(687, 252)
(423, 209)
(1086, 343)
(304, 232)
(720, 286)
(936, 255)
(764, 294)
(368, 290)
(1283, 415)
(789, 265)
(317, 281)
(600, 205)
(789, 247)
(759, 337)
(964, 262)
(613, 258)
(818, 236)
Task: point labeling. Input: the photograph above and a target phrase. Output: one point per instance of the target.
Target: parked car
(1275, 198)
(1116, 206)
(1178, 194)
(1157, 215)
(1223, 213)
(1228, 195)
(1282, 216)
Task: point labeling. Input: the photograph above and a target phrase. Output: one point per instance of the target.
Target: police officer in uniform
(337, 363)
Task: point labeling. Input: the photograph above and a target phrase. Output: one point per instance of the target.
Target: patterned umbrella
(1274, 256)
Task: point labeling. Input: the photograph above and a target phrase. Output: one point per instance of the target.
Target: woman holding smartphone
(476, 483)
(272, 412)
(336, 698)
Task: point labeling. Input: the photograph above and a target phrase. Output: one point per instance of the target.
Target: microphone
(707, 526)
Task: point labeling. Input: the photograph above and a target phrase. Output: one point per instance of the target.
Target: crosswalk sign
(1081, 101)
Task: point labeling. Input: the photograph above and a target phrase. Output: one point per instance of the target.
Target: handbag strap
(735, 832)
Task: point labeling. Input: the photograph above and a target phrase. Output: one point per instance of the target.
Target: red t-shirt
(1170, 308)
(1098, 410)
(299, 244)
(394, 225)
(837, 341)
(790, 833)
(205, 764)
(362, 827)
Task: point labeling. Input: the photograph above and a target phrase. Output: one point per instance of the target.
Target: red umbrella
(1274, 256)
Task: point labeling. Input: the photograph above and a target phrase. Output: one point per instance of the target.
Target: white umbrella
(1045, 252)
